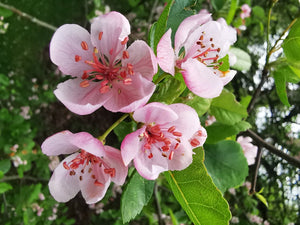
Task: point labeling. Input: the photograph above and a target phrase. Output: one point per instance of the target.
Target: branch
(257, 164)
(293, 161)
(16, 177)
(27, 16)
(158, 208)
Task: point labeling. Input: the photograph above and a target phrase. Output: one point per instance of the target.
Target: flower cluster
(107, 73)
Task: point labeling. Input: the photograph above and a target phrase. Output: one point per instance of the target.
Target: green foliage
(224, 63)
(226, 109)
(291, 45)
(194, 190)
(226, 164)
(136, 195)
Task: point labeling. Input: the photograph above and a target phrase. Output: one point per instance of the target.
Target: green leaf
(168, 90)
(224, 63)
(219, 131)
(5, 12)
(5, 187)
(197, 195)
(136, 195)
(280, 83)
(226, 164)
(201, 105)
(231, 13)
(124, 128)
(151, 36)
(5, 165)
(262, 199)
(218, 4)
(161, 25)
(34, 193)
(243, 59)
(291, 45)
(226, 109)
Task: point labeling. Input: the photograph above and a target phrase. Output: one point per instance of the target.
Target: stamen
(84, 45)
(77, 58)
(171, 129)
(110, 171)
(97, 183)
(84, 83)
(165, 148)
(80, 178)
(84, 76)
(66, 166)
(195, 142)
(171, 155)
(104, 89)
(178, 134)
(100, 35)
(124, 41)
(127, 81)
(125, 55)
(111, 51)
(150, 156)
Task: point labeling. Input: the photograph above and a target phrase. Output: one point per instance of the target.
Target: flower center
(84, 159)
(166, 140)
(105, 70)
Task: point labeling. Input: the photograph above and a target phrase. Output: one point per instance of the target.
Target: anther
(90, 170)
(93, 176)
(110, 171)
(84, 76)
(97, 183)
(150, 155)
(124, 41)
(77, 58)
(195, 142)
(201, 38)
(100, 35)
(111, 51)
(99, 77)
(125, 55)
(104, 89)
(171, 129)
(171, 155)
(66, 166)
(80, 178)
(178, 134)
(84, 83)
(165, 148)
(84, 45)
(127, 81)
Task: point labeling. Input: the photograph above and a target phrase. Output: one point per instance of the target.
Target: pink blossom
(90, 168)
(106, 73)
(249, 149)
(165, 140)
(199, 44)
(246, 11)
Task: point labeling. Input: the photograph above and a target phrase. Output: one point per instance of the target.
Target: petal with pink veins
(227, 76)
(66, 48)
(81, 100)
(165, 53)
(155, 112)
(129, 97)
(62, 186)
(115, 28)
(182, 158)
(201, 80)
(142, 58)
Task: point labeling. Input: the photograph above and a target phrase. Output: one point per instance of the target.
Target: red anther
(127, 81)
(104, 83)
(123, 74)
(97, 183)
(90, 170)
(201, 38)
(84, 83)
(72, 173)
(99, 77)
(80, 178)
(195, 142)
(125, 55)
(100, 35)
(177, 134)
(66, 166)
(167, 141)
(111, 51)
(84, 45)
(165, 148)
(147, 146)
(211, 39)
(82, 171)
(93, 176)
(150, 156)
(110, 171)
(124, 41)
(104, 89)
(176, 146)
(84, 76)
(199, 43)
(77, 58)
(212, 45)
(171, 155)
(155, 129)
(129, 66)
(164, 154)
(171, 129)
(178, 140)
(218, 49)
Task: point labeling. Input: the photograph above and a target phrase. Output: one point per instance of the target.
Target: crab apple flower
(105, 72)
(89, 169)
(249, 149)
(198, 45)
(165, 141)
(246, 11)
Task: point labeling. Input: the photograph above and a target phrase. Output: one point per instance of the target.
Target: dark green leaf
(5, 165)
(197, 195)
(291, 45)
(218, 4)
(280, 83)
(219, 131)
(124, 128)
(226, 164)
(226, 109)
(5, 187)
(136, 195)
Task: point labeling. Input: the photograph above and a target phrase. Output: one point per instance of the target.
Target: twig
(27, 16)
(257, 164)
(16, 177)
(159, 213)
(293, 161)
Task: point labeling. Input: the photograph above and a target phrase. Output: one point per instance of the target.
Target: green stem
(163, 76)
(27, 16)
(115, 124)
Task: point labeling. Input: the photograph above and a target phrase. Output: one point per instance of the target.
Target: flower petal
(165, 53)
(91, 192)
(201, 80)
(80, 100)
(142, 58)
(182, 157)
(115, 28)
(187, 27)
(228, 76)
(59, 143)
(114, 159)
(155, 112)
(128, 98)
(66, 44)
(62, 186)
(131, 145)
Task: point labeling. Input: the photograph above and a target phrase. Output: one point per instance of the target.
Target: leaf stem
(115, 124)
(29, 17)
(159, 79)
